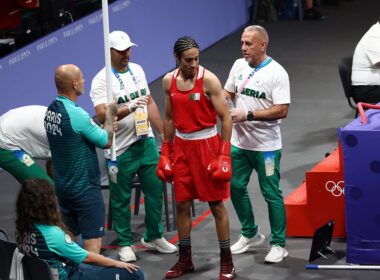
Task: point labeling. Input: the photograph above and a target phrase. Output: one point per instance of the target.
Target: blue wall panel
(27, 76)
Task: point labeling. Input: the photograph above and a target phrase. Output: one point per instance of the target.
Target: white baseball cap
(120, 41)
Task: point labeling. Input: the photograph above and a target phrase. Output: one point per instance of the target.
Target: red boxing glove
(220, 168)
(164, 169)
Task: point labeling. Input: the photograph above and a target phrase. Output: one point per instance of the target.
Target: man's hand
(220, 168)
(138, 102)
(165, 164)
(238, 115)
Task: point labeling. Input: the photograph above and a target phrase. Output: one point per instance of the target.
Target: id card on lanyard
(140, 115)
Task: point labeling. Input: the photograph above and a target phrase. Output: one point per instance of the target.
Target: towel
(17, 272)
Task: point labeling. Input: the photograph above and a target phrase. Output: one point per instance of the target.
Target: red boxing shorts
(191, 178)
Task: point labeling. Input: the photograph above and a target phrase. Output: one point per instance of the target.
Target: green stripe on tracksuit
(243, 163)
(141, 158)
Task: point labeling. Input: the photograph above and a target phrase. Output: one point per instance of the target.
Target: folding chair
(136, 185)
(3, 235)
(6, 254)
(345, 70)
(36, 269)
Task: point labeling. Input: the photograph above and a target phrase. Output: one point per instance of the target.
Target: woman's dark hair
(183, 44)
(36, 204)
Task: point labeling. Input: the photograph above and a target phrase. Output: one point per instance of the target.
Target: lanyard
(261, 65)
(122, 86)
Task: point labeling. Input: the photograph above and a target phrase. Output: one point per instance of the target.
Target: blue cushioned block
(361, 156)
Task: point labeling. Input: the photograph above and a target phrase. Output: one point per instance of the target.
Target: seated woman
(40, 232)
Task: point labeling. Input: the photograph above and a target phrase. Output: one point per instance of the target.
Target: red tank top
(192, 109)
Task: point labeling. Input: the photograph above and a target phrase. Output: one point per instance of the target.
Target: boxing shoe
(227, 269)
(184, 264)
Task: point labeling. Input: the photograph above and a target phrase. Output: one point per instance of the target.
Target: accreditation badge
(141, 123)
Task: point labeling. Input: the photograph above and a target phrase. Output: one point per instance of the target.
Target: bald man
(259, 88)
(72, 136)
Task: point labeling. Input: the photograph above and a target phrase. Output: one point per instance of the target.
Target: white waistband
(197, 135)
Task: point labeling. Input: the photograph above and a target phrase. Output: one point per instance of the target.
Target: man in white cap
(136, 148)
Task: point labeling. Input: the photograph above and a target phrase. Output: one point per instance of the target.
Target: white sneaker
(243, 244)
(276, 254)
(161, 245)
(127, 254)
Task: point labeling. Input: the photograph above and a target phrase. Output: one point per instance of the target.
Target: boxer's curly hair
(183, 44)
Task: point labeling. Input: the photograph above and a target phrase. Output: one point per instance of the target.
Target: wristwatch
(250, 116)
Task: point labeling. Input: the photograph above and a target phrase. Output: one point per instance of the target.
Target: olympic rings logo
(337, 189)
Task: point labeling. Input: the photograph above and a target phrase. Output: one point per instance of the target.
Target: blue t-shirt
(53, 245)
(72, 136)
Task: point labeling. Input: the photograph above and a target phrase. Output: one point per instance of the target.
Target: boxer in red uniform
(200, 164)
